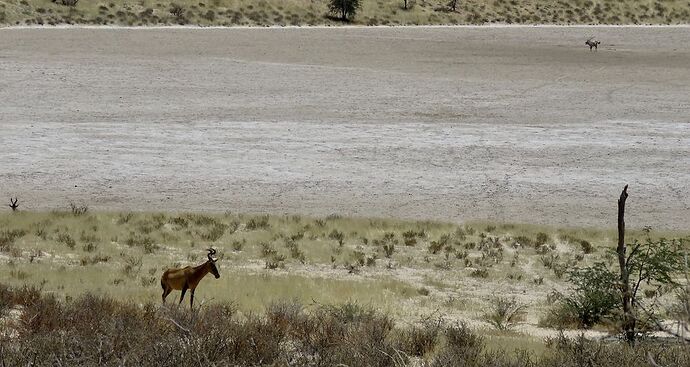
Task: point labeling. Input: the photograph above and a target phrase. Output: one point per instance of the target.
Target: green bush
(594, 295)
(344, 9)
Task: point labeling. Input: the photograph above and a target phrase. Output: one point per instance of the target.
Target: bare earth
(519, 124)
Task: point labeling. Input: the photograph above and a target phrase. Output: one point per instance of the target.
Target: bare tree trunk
(628, 317)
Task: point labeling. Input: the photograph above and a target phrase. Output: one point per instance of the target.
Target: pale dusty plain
(516, 124)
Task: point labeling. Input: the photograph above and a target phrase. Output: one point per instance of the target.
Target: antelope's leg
(166, 291)
(184, 290)
(191, 301)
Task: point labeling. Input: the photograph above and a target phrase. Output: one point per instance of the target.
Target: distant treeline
(320, 12)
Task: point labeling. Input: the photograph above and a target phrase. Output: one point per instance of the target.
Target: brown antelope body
(592, 44)
(188, 278)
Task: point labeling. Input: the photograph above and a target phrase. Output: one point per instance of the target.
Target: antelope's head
(212, 263)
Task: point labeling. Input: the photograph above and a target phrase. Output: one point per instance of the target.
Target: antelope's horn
(211, 252)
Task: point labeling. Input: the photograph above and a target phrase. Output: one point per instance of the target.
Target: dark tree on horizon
(345, 9)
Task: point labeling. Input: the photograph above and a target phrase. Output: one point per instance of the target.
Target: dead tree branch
(628, 317)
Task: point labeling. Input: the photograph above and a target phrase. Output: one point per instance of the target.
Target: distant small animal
(13, 204)
(188, 277)
(592, 44)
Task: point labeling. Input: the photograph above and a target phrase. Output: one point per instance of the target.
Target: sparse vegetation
(325, 261)
(260, 222)
(74, 332)
(505, 313)
(303, 12)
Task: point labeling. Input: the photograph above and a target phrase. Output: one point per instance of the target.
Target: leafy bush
(594, 295)
(345, 9)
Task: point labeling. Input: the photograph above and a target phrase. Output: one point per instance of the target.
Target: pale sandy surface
(511, 124)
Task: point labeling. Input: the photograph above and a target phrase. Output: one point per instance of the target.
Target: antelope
(188, 277)
(13, 204)
(592, 43)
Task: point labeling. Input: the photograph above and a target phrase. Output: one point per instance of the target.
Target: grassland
(315, 12)
(408, 270)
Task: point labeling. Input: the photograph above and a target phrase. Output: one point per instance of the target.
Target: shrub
(91, 260)
(89, 247)
(587, 247)
(421, 339)
(505, 313)
(67, 240)
(260, 222)
(436, 246)
(594, 295)
(344, 9)
(176, 10)
(210, 15)
(409, 238)
(388, 250)
(7, 238)
(338, 236)
(295, 251)
(78, 210)
(181, 222)
(66, 2)
(132, 266)
(480, 273)
(267, 249)
(275, 261)
(358, 257)
(214, 233)
(524, 241)
(462, 348)
(542, 239)
(75, 332)
(237, 245)
(145, 242)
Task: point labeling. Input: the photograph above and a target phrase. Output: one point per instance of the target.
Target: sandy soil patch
(511, 124)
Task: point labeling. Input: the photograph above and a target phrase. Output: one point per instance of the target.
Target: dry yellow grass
(315, 12)
(403, 268)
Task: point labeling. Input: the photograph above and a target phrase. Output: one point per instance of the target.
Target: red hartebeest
(13, 204)
(188, 277)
